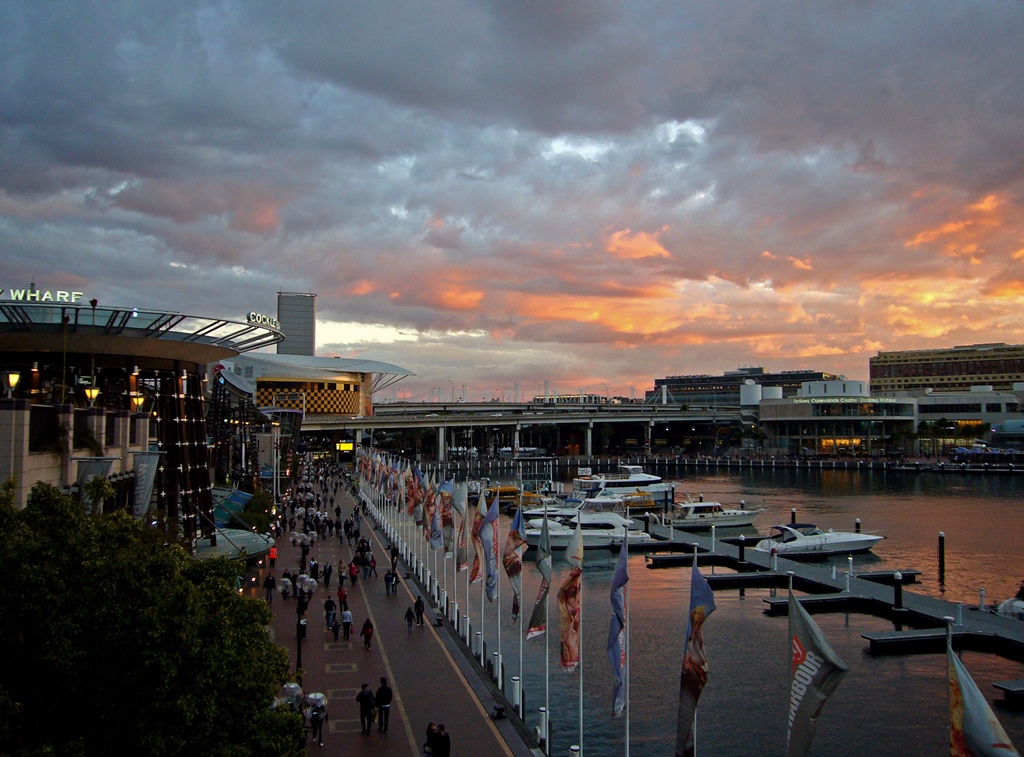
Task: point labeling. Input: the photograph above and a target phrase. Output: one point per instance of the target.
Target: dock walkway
(431, 679)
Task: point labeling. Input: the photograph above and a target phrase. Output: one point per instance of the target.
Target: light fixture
(137, 402)
(11, 379)
(91, 393)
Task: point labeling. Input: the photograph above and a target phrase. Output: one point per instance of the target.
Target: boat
(1013, 607)
(631, 476)
(599, 531)
(807, 540)
(696, 516)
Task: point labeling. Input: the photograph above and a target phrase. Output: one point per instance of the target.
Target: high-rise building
(296, 313)
(951, 369)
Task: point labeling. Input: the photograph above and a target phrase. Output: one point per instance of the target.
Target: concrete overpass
(514, 417)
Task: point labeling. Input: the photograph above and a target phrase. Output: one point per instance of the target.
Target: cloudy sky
(592, 194)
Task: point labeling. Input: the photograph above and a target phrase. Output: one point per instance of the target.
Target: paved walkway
(431, 678)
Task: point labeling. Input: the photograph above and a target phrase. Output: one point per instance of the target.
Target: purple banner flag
(617, 633)
(695, 661)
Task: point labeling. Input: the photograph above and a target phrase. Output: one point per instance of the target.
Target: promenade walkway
(431, 679)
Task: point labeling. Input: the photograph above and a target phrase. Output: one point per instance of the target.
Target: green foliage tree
(116, 643)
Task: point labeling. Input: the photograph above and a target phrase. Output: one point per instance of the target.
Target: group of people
(375, 706)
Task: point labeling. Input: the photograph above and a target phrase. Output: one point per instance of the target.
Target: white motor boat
(807, 540)
(632, 476)
(696, 516)
(599, 527)
(1013, 607)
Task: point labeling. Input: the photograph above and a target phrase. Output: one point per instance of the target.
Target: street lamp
(91, 393)
(11, 379)
(453, 389)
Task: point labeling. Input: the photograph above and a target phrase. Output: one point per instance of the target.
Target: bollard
(454, 614)
(743, 546)
(959, 613)
(856, 526)
(897, 591)
(775, 560)
(476, 644)
(574, 749)
(833, 571)
(981, 599)
(516, 696)
(543, 729)
(942, 557)
(712, 538)
(443, 602)
(466, 630)
(848, 580)
(792, 515)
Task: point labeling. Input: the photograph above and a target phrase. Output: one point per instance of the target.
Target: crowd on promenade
(311, 514)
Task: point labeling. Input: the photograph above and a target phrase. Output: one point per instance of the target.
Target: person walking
(335, 628)
(442, 742)
(410, 616)
(366, 705)
(367, 633)
(328, 571)
(269, 585)
(418, 606)
(346, 622)
(383, 698)
(329, 609)
(353, 572)
(387, 582)
(316, 714)
(272, 554)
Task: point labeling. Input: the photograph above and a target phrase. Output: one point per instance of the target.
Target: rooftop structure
(296, 314)
(959, 368)
(724, 390)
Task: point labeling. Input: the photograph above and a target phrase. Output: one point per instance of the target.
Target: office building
(296, 316)
(724, 390)
(997, 365)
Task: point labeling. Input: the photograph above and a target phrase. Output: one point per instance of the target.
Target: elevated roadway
(444, 417)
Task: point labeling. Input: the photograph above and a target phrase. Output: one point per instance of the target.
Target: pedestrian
(328, 572)
(387, 582)
(269, 585)
(366, 705)
(418, 606)
(314, 570)
(383, 698)
(286, 586)
(394, 582)
(367, 633)
(346, 622)
(335, 627)
(272, 554)
(428, 745)
(342, 571)
(410, 616)
(329, 609)
(373, 563)
(353, 572)
(342, 598)
(367, 563)
(316, 714)
(442, 742)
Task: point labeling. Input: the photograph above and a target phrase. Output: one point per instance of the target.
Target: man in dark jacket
(366, 705)
(383, 698)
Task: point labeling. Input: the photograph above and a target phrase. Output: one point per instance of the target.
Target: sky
(589, 195)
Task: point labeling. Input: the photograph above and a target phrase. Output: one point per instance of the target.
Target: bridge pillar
(589, 451)
(441, 451)
(648, 431)
(515, 440)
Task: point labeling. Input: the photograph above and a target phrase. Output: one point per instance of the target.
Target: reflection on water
(885, 706)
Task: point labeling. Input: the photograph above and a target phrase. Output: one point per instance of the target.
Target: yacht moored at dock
(794, 540)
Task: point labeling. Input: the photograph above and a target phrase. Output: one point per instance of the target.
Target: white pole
(579, 654)
(625, 601)
(497, 620)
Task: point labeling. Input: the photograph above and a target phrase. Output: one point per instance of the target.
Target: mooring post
(743, 546)
(981, 599)
(713, 538)
(856, 526)
(897, 591)
(792, 515)
(942, 557)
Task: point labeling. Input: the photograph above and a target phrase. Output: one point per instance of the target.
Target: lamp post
(11, 379)
(92, 391)
(453, 389)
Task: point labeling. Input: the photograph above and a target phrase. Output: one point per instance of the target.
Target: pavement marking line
(472, 694)
(413, 746)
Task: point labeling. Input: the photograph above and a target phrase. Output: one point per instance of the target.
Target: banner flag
(617, 633)
(815, 672)
(478, 548)
(436, 535)
(512, 559)
(974, 730)
(489, 539)
(695, 661)
(446, 492)
(539, 616)
(569, 605)
(145, 465)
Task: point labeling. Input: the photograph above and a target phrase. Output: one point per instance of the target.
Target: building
(954, 369)
(116, 392)
(296, 316)
(724, 390)
(829, 418)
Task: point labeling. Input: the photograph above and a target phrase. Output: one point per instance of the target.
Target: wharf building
(116, 392)
(998, 365)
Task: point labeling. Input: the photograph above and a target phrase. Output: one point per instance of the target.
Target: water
(894, 705)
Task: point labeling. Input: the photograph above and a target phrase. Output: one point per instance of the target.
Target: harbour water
(884, 706)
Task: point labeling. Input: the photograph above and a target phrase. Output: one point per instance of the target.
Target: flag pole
(547, 664)
(695, 709)
(497, 620)
(579, 663)
(625, 534)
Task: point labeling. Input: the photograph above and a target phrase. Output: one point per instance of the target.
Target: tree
(116, 643)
